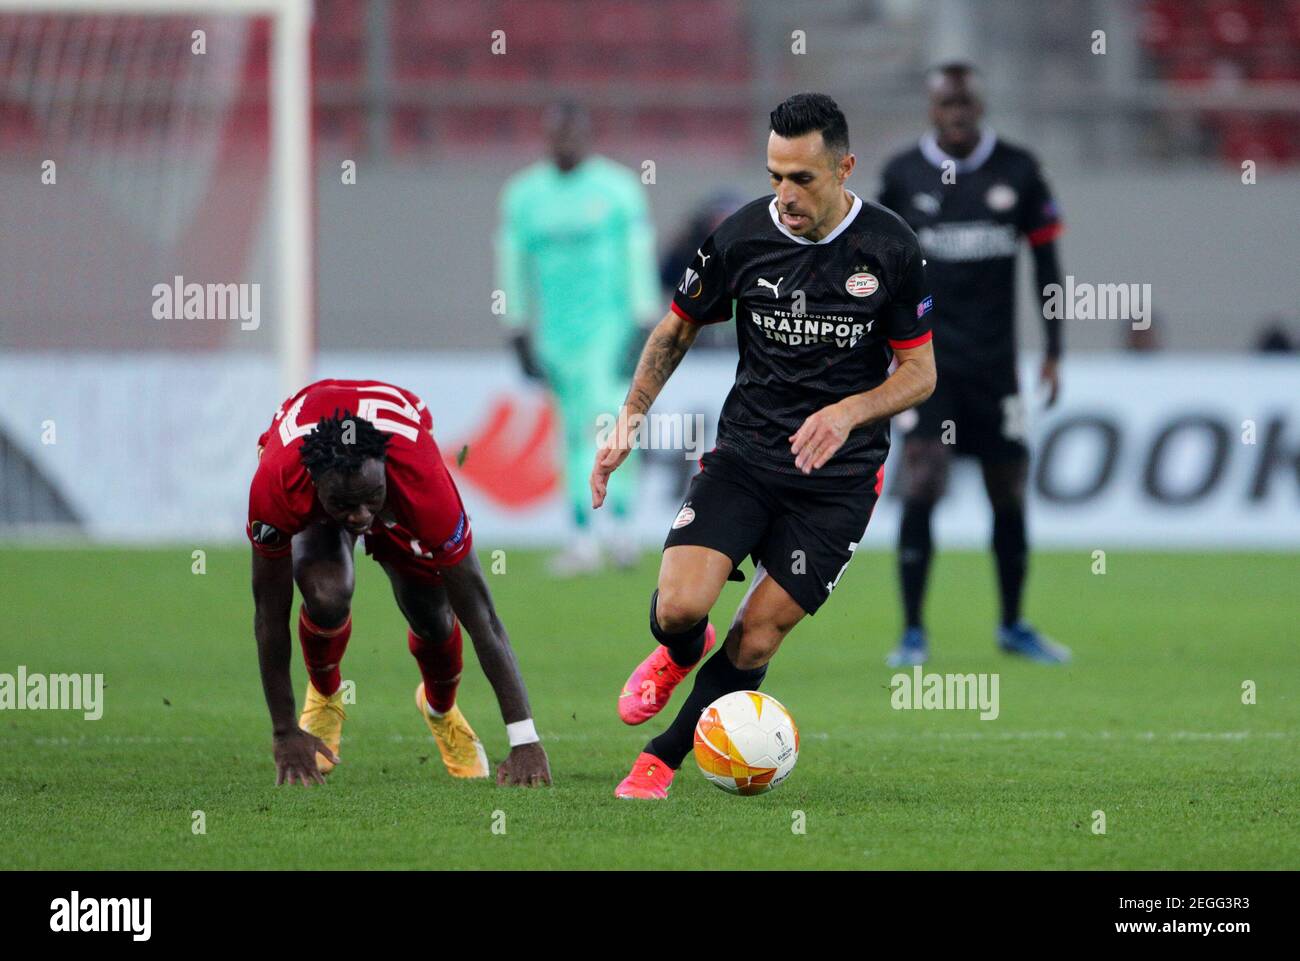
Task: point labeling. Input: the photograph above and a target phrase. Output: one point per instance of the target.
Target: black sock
(914, 550)
(1010, 548)
(718, 676)
(684, 647)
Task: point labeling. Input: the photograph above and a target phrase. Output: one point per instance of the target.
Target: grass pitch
(1148, 726)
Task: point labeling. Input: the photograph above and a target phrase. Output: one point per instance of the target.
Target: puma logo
(774, 287)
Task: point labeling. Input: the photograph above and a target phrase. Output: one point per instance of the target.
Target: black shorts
(982, 418)
(803, 529)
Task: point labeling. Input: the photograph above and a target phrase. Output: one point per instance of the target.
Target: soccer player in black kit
(971, 197)
(828, 288)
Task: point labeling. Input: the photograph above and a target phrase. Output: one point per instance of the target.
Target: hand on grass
(295, 758)
(526, 766)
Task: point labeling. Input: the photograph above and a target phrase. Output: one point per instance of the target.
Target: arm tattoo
(662, 353)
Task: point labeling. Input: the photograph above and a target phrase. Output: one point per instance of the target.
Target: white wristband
(522, 732)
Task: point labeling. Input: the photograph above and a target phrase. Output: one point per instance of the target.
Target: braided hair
(342, 443)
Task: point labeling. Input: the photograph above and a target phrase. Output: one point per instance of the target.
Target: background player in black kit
(828, 289)
(970, 197)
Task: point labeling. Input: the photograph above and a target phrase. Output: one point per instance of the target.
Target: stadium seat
(1190, 69)
(1234, 23)
(340, 127)
(482, 65)
(338, 41)
(539, 24)
(1291, 20)
(627, 24)
(1268, 140)
(1158, 26)
(422, 58)
(714, 22)
(448, 21)
(410, 130)
(1276, 66)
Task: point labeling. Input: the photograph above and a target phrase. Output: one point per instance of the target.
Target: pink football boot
(652, 683)
(650, 779)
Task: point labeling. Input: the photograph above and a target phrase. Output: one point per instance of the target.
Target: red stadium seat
(481, 64)
(340, 18)
(1267, 140)
(422, 58)
(339, 39)
(1234, 23)
(250, 123)
(1190, 69)
(412, 129)
(1291, 17)
(713, 22)
(1165, 25)
(1276, 67)
(528, 124)
(591, 63)
(17, 127)
(257, 59)
(626, 24)
(340, 128)
(540, 23)
(475, 125)
(449, 21)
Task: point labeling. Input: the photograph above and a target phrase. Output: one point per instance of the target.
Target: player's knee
(926, 493)
(927, 476)
(327, 604)
(1006, 486)
(925, 484)
(435, 626)
(753, 646)
(1007, 502)
(755, 637)
(677, 610)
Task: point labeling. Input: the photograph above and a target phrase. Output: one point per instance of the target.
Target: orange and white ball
(746, 742)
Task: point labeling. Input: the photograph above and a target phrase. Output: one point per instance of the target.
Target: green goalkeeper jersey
(575, 256)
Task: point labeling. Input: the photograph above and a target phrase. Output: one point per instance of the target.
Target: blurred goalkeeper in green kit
(576, 261)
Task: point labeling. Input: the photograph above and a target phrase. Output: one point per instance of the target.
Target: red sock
(322, 650)
(440, 666)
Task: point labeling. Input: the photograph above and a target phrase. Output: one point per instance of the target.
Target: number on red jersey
(406, 422)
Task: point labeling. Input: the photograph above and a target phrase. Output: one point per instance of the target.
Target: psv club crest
(862, 284)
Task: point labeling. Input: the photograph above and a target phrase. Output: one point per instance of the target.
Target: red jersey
(423, 522)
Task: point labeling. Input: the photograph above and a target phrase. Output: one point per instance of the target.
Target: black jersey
(970, 230)
(815, 323)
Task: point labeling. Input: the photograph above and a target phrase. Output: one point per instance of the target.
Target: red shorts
(416, 560)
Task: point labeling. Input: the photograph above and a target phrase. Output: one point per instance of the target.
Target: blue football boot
(913, 649)
(1025, 641)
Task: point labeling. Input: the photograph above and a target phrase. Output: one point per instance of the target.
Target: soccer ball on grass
(746, 742)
